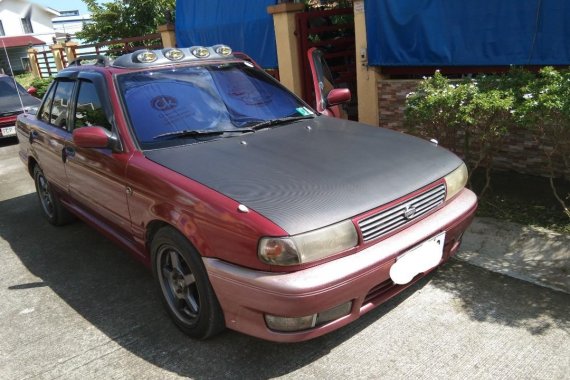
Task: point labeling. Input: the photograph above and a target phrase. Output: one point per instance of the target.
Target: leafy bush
(41, 85)
(476, 116)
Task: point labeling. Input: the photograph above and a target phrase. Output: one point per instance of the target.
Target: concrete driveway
(72, 305)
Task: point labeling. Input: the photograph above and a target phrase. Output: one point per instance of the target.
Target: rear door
(51, 133)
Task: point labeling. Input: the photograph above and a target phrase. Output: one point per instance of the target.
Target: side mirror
(32, 91)
(92, 137)
(338, 96)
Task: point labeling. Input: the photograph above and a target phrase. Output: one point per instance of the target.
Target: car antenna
(13, 77)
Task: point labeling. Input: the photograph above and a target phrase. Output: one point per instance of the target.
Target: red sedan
(254, 211)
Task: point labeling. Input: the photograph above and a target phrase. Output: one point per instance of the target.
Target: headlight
(310, 246)
(456, 181)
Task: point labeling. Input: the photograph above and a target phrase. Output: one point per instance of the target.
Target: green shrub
(41, 85)
(475, 116)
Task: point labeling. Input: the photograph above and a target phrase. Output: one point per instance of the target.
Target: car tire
(184, 286)
(50, 204)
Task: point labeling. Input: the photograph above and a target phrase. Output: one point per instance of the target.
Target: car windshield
(7, 88)
(173, 105)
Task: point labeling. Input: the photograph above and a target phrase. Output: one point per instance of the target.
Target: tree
(122, 19)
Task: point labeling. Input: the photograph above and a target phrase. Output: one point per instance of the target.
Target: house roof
(20, 41)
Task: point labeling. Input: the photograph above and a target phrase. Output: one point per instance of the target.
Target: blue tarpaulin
(468, 32)
(244, 25)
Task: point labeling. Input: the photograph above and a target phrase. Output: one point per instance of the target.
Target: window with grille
(27, 25)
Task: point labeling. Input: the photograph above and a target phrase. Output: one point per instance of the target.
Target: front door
(323, 83)
(97, 176)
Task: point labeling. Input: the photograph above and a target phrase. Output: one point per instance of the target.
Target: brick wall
(521, 152)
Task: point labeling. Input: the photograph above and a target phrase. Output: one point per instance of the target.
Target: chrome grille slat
(372, 219)
(383, 221)
(426, 202)
(392, 218)
(383, 231)
(431, 199)
(401, 219)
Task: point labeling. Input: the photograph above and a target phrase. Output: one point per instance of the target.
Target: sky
(63, 5)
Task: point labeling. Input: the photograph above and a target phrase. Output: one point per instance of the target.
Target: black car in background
(14, 99)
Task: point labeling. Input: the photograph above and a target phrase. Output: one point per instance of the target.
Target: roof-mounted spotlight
(222, 50)
(146, 56)
(200, 52)
(173, 54)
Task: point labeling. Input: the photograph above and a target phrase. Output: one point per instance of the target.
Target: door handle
(33, 135)
(66, 153)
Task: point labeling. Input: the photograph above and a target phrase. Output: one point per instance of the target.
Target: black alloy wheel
(51, 206)
(184, 285)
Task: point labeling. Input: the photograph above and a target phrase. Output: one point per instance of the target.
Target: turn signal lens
(146, 57)
(174, 54)
(278, 251)
(200, 52)
(308, 247)
(455, 181)
(223, 50)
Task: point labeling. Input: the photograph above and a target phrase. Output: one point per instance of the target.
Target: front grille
(390, 219)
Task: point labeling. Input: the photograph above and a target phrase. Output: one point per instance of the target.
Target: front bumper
(363, 278)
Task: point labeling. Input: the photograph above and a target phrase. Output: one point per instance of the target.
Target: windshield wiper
(199, 133)
(282, 120)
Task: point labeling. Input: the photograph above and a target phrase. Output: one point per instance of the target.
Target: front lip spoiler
(246, 294)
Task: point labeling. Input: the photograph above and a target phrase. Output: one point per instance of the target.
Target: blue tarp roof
(468, 32)
(243, 25)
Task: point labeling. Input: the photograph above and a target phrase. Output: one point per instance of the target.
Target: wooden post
(287, 46)
(33, 56)
(70, 50)
(167, 35)
(56, 50)
(367, 77)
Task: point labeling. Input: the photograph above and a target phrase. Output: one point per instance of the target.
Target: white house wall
(13, 11)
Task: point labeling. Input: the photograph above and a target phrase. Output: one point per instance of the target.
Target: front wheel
(52, 208)
(184, 285)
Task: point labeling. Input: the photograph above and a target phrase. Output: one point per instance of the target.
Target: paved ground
(72, 305)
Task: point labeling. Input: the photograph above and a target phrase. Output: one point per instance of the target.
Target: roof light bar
(169, 56)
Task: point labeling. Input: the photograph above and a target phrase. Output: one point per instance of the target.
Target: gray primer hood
(303, 179)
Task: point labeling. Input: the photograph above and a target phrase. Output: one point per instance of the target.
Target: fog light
(290, 324)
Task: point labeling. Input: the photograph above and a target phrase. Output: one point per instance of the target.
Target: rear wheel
(184, 285)
(52, 208)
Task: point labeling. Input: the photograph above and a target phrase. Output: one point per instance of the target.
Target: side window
(60, 105)
(89, 111)
(46, 106)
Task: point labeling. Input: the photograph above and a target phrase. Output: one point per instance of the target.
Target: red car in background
(254, 211)
(13, 101)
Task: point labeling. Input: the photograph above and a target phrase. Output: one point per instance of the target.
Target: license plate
(8, 131)
(419, 259)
